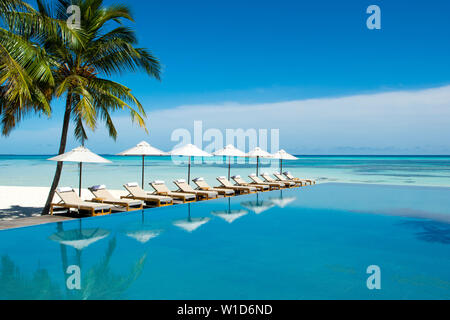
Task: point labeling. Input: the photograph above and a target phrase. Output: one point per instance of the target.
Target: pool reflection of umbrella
(143, 149)
(283, 155)
(191, 224)
(80, 155)
(258, 206)
(143, 236)
(229, 151)
(282, 201)
(189, 150)
(141, 231)
(79, 238)
(229, 215)
(258, 153)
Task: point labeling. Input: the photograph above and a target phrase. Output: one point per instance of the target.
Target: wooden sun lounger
(161, 189)
(71, 200)
(203, 185)
(241, 182)
(200, 194)
(283, 179)
(268, 178)
(102, 195)
(136, 193)
(272, 185)
(227, 184)
(288, 175)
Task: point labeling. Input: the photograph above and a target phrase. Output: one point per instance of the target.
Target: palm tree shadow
(430, 231)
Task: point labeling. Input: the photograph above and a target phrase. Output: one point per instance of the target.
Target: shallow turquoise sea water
(403, 170)
(305, 243)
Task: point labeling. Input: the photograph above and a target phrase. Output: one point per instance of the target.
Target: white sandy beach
(23, 202)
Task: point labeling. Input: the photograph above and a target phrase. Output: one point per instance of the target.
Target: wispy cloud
(401, 122)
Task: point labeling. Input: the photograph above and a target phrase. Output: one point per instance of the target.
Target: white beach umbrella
(258, 153)
(143, 149)
(189, 150)
(80, 155)
(229, 151)
(283, 155)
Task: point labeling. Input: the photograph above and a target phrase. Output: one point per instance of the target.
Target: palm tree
(103, 47)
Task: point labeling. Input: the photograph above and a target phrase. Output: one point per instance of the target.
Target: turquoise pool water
(309, 243)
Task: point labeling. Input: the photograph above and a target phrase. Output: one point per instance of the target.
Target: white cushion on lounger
(180, 181)
(158, 182)
(199, 179)
(266, 174)
(238, 176)
(287, 172)
(99, 187)
(65, 189)
(133, 184)
(222, 177)
(252, 175)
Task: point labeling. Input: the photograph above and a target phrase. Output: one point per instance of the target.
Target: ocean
(35, 170)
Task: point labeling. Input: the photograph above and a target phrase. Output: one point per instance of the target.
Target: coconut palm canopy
(189, 150)
(43, 59)
(229, 151)
(143, 149)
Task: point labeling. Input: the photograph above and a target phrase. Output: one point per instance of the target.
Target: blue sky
(267, 52)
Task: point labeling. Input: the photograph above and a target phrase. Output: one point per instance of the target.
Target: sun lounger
(161, 189)
(283, 179)
(273, 185)
(102, 195)
(268, 178)
(241, 182)
(203, 185)
(136, 193)
(186, 188)
(71, 200)
(227, 184)
(288, 175)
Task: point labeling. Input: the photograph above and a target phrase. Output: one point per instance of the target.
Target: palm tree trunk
(62, 149)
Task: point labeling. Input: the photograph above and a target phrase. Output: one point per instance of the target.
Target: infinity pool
(308, 243)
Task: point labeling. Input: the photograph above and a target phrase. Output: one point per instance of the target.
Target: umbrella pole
(189, 171)
(229, 167)
(257, 166)
(143, 165)
(81, 168)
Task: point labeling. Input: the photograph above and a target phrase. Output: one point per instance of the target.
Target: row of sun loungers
(104, 202)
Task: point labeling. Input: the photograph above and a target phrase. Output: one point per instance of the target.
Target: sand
(24, 202)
